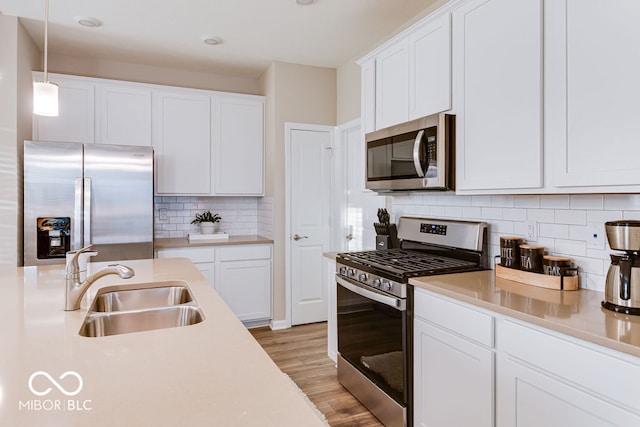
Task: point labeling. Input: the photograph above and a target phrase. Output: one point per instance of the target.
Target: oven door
(372, 336)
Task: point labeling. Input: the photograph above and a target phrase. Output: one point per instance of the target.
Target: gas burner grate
(400, 261)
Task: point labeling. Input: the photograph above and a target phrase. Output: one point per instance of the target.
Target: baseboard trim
(279, 324)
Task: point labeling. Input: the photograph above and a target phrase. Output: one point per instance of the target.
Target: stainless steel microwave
(417, 155)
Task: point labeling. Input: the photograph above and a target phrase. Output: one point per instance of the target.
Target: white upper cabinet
(593, 65)
(497, 62)
(392, 85)
(408, 78)
(75, 121)
(182, 142)
(430, 68)
(238, 141)
(123, 115)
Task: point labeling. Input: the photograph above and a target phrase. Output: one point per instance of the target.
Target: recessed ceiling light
(211, 40)
(304, 2)
(87, 21)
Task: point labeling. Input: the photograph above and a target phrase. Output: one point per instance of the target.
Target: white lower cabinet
(329, 271)
(531, 377)
(243, 280)
(241, 274)
(547, 379)
(453, 371)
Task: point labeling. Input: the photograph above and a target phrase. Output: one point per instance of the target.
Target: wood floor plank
(301, 353)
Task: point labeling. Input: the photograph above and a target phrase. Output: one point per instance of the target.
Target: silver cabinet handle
(296, 237)
(416, 154)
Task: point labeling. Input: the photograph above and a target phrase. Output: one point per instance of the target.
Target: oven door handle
(396, 303)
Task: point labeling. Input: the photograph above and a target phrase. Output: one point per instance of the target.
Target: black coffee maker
(386, 233)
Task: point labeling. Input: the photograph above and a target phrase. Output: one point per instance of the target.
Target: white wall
(566, 223)
(18, 56)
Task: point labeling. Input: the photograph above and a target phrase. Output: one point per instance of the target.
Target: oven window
(372, 337)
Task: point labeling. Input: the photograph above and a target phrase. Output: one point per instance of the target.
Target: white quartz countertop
(209, 374)
(575, 313)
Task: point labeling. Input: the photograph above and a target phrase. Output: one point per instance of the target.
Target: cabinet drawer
(244, 252)
(455, 317)
(573, 360)
(202, 254)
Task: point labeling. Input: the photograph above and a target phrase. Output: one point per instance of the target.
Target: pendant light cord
(46, 39)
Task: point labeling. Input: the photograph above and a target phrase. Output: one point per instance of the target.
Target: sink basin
(141, 307)
(98, 324)
(136, 297)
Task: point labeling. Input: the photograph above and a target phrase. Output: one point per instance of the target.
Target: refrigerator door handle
(87, 211)
(77, 216)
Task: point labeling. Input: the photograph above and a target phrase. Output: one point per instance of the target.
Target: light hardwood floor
(301, 353)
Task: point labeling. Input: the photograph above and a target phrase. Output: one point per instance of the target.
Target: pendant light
(45, 94)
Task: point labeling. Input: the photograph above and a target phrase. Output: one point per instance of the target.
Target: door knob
(296, 237)
(349, 236)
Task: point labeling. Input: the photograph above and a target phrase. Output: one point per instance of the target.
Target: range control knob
(375, 283)
(362, 277)
(342, 271)
(385, 285)
(349, 272)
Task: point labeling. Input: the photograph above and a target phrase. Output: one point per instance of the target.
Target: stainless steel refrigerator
(79, 194)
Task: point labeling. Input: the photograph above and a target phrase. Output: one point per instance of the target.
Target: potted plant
(207, 222)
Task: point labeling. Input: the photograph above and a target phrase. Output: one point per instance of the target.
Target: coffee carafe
(622, 286)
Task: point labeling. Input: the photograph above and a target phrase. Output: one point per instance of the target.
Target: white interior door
(360, 205)
(309, 206)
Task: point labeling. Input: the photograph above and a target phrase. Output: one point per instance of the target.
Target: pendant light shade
(45, 98)
(45, 94)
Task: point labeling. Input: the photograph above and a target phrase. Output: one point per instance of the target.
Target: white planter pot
(207, 227)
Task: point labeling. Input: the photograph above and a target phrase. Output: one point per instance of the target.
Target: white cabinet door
(246, 288)
(430, 68)
(497, 63)
(243, 280)
(202, 257)
(392, 85)
(453, 379)
(182, 143)
(75, 121)
(123, 115)
(528, 398)
(368, 95)
(593, 64)
(238, 140)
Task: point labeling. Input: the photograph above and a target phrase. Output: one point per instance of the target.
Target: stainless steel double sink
(141, 307)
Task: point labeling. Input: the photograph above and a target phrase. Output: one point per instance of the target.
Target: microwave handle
(416, 154)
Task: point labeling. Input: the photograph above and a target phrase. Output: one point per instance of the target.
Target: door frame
(288, 128)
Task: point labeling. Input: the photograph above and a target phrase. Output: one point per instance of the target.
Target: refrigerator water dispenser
(54, 237)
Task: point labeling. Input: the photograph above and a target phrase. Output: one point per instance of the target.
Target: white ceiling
(327, 33)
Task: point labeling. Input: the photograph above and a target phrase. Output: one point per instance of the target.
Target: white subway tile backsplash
(586, 201)
(555, 201)
(567, 216)
(240, 215)
(565, 222)
(541, 215)
(622, 201)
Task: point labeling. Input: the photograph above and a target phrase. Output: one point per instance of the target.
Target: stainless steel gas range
(375, 305)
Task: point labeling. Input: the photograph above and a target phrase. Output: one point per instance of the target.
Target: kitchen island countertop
(209, 374)
(575, 313)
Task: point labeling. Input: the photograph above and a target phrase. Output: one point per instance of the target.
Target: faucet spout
(75, 288)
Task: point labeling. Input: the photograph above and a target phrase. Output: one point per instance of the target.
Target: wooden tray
(561, 283)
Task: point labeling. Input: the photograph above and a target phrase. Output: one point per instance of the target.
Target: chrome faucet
(76, 287)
